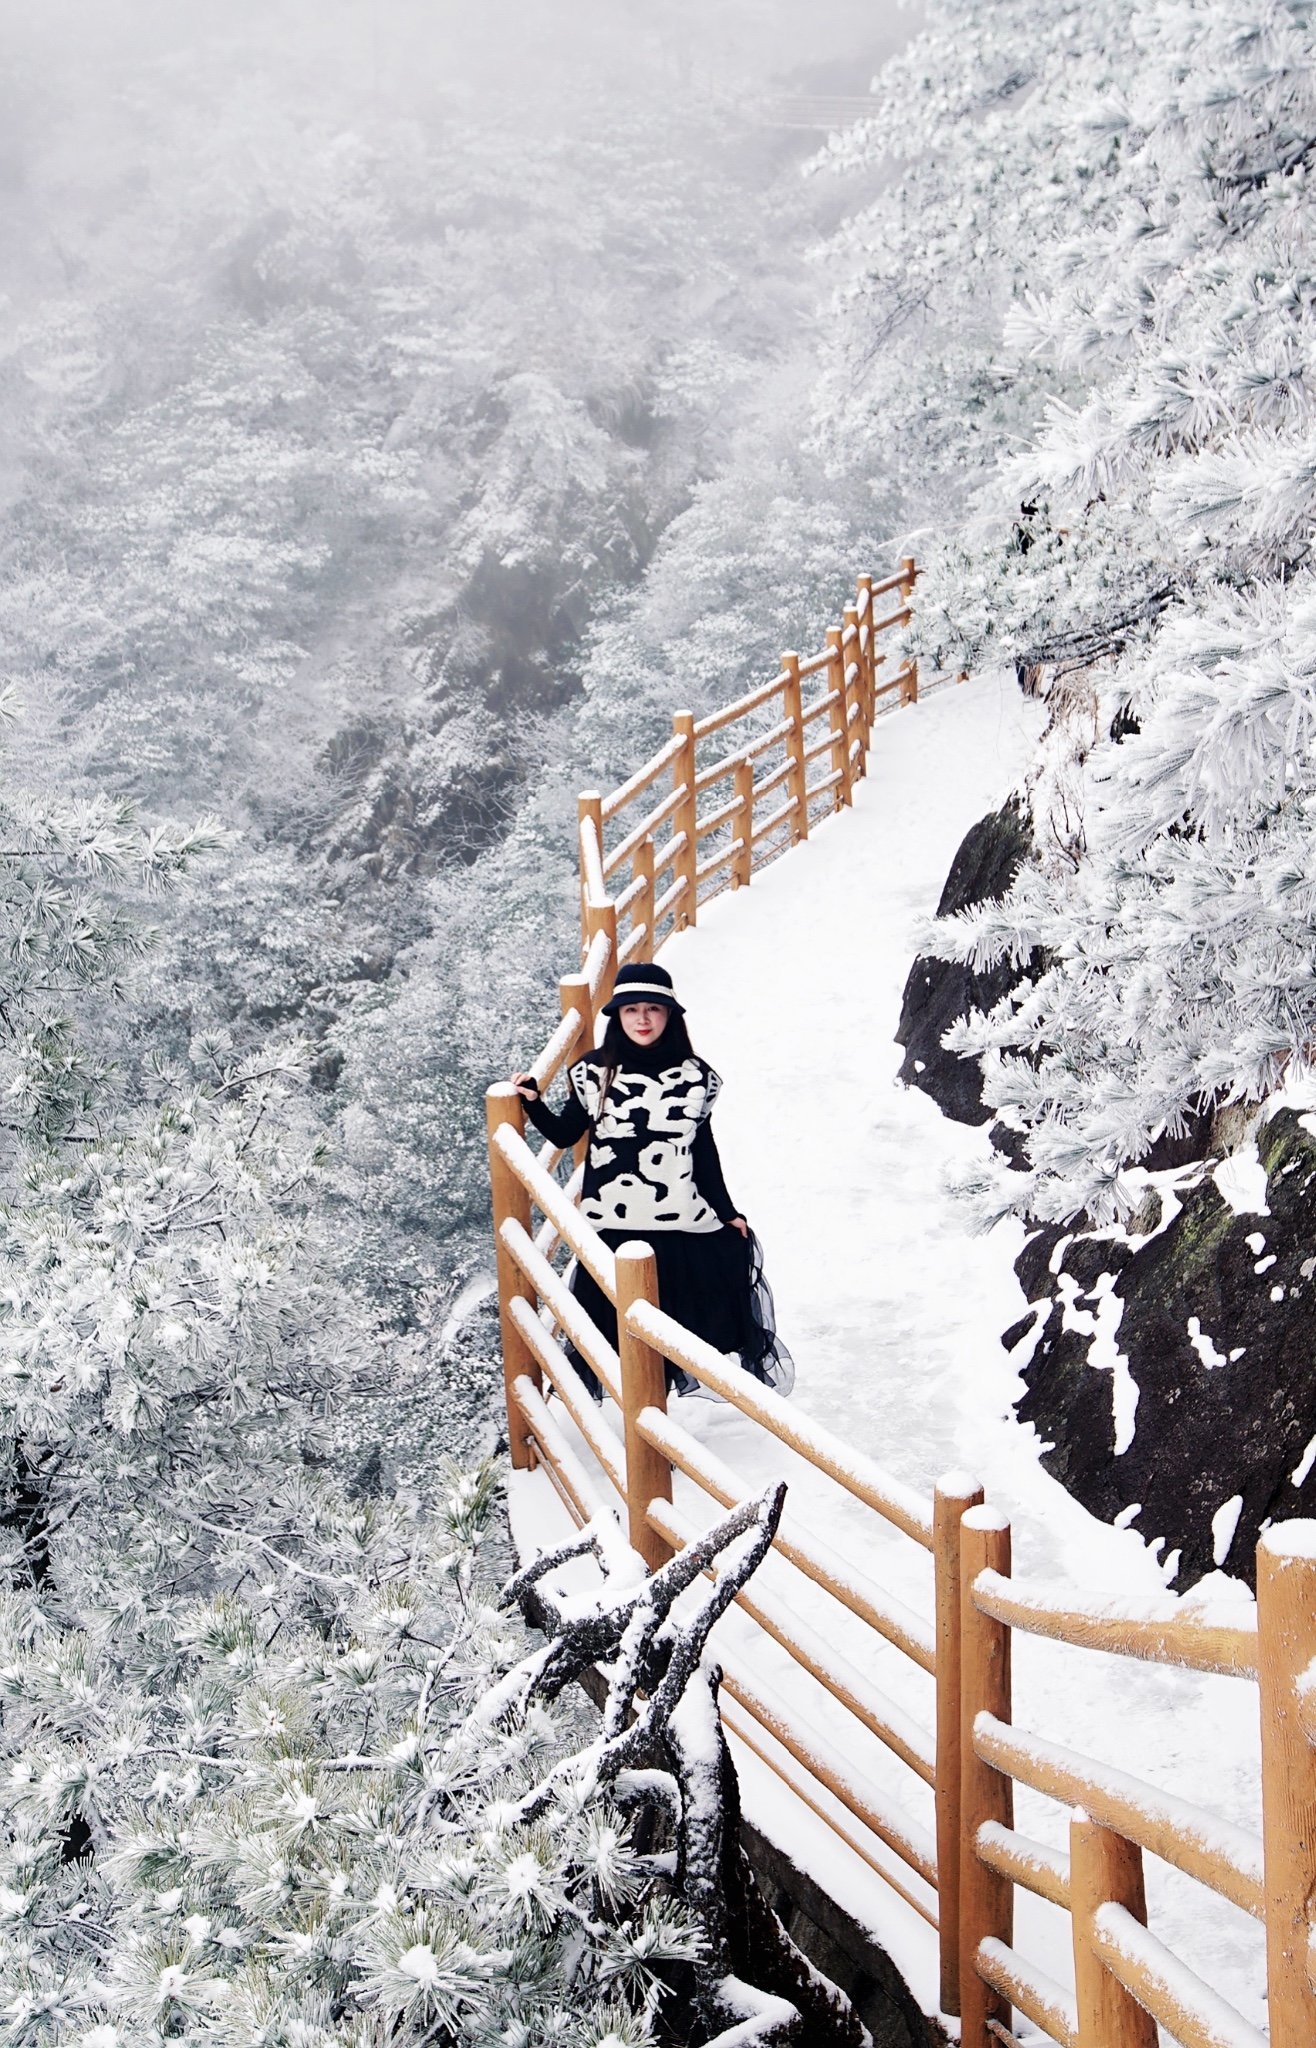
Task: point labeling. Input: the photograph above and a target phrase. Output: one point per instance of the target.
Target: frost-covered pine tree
(337, 1802)
(171, 1339)
(1115, 232)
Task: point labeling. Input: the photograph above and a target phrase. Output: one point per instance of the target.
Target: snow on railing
(961, 1873)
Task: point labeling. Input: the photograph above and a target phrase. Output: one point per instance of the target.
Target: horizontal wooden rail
(913, 1844)
(568, 1387)
(879, 1715)
(722, 816)
(1176, 1998)
(552, 1289)
(741, 708)
(668, 901)
(552, 1447)
(1219, 1855)
(717, 860)
(1165, 1633)
(648, 824)
(816, 1559)
(632, 893)
(547, 1239)
(896, 1503)
(551, 1201)
(775, 819)
(771, 782)
(821, 707)
(1041, 2000)
(670, 850)
(1038, 1869)
(557, 1052)
(652, 769)
(750, 750)
(745, 1730)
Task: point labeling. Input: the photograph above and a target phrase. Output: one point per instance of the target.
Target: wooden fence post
(589, 807)
(502, 1105)
(836, 716)
(603, 918)
(797, 781)
(742, 867)
(986, 1899)
(954, 1495)
(1103, 1869)
(1286, 1646)
(854, 693)
(908, 574)
(573, 994)
(869, 665)
(643, 1385)
(642, 909)
(686, 818)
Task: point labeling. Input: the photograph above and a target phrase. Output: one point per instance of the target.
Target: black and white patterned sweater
(652, 1163)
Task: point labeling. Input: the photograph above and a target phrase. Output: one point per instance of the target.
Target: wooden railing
(803, 744)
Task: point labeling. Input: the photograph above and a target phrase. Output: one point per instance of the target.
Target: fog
(398, 404)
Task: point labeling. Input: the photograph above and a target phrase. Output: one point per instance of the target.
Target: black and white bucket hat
(642, 982)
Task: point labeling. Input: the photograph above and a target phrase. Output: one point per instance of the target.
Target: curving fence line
(704, 825)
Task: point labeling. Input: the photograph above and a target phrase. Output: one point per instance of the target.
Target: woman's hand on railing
(526, 1087)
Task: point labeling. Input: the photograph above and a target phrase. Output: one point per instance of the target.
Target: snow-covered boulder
(1170, 1374)
(939, 992)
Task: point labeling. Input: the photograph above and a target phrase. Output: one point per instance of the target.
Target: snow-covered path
(793, 989)
(894, 1313)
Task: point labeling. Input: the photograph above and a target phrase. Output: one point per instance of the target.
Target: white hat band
(641, 988)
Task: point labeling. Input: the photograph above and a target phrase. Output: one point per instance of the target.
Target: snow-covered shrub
(1115, 231)
(328, 1804)
(170, 1336)
(280, 1813)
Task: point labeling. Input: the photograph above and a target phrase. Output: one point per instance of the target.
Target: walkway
(894, 1311)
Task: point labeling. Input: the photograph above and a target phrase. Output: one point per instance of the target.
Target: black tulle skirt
(712, 1282)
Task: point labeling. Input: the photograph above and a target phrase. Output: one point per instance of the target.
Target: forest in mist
(400, 409)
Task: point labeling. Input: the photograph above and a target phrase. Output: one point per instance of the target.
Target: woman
(652, 1172)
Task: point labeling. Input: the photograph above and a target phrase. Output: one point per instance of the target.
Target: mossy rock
(1215, 1342)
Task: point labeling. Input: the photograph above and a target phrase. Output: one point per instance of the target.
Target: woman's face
(643, 1023)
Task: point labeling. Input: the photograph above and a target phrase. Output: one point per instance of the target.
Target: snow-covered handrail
(1224, 1857)
(804, 739)
(848, 697)
(1220, 1638)
(1124, 1974)
(887, 1496)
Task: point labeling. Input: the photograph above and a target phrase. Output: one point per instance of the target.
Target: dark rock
(1023, 1328)
(1231, 1413)
(938, 992)
(1194, 1142)
(1033, 1264)
(1013, 1145)
(844, 1951)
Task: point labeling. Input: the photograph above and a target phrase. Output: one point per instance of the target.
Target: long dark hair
(615, 1045)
